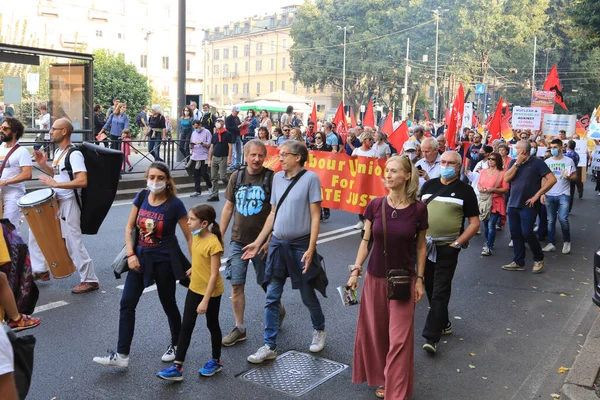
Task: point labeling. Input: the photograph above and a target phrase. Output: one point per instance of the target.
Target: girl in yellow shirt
(204, 294)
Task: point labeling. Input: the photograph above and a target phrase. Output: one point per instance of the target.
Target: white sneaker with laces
(318, 341)
(549, 248)
(566, 248)
(169, 355)
(510, 244)
(113, 360)
(360, 225)
(262, 354)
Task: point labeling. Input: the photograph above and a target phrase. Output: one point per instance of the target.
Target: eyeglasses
(318, 138)
(286, 130)
(5, 128)
(283, 154)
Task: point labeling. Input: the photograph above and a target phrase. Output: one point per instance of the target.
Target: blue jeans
(489, 226)
(154, 147)
(236, 268)
(274, 292)
(542, 231)
(558, 205)
(521, 221)
(236, 153)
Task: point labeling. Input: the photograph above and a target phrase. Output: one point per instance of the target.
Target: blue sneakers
(210, 368)
(171, 374)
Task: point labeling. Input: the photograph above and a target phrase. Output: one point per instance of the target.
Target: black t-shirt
(231, 124)
(527, 181)
(473, 154)
(221, 148)
(157, 122)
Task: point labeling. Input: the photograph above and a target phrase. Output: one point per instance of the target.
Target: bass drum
(40, 209)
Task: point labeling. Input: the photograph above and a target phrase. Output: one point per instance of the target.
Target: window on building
(226, 31)
(165, 62)
(236, 29)
(272, 64)
(283, 63)
(225, 54)
(295, 89)
(271, 86)
(282, 85)
(235, 70)
(258, 65)
(246, 50)
(284, 44)
(246, 66)
(120, 36)
(272, 46)
(216, 92)
(188, 65)
(216, 70)
(258, 89)
(245, 89)
(98, 33)
(234, 88)
(225, 69)
(284, 20)
(165, 89)
(225, 89)
(235, 51)
(258, 49)
(321, 90)
(143, 61)
(216, 54)
(272, 22)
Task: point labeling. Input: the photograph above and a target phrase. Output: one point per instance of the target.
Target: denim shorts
(236, 268)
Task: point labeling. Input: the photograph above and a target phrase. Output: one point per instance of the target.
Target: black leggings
(192, 300)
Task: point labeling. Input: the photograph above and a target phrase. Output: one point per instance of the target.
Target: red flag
(552, 84)
(447, 118)
(506, 126)
(369, 117)
(340, 122)
(352, 119)
(313, 118)
(495, 125)
(464, 148)
(475, 120)
(399, 136)
(426, 116)
(388, 125)
(456, 116)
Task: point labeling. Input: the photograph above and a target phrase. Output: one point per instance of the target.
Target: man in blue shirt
(330, 137)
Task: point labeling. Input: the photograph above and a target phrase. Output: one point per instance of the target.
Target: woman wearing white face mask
(154, 258)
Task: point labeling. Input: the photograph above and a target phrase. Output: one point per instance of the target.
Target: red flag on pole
(456, 115)
(340, 122)
(495, 125)
(506, 126)
(369, 117)
(426, 116)
(388, 125)
(447, 117)
(552, 84)
(352, 119)
(313, 119)
(399, 136)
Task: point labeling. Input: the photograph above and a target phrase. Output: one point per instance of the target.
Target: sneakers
(430, 347)
(196, 194)
(113, 360)
(566, 248)
(129, 169)
(262, 354)
(549, 248)
(318, 341)
(448, 329)
(171, 374)
(41, 276)
(233, 337)
(513, 266)
(486, 251)
(510, 244)
(24, 322)
(85, 287)
(213, 198)
(359, 226)
(211, 368)
(538, 266)
(169, 355)
(282, 314)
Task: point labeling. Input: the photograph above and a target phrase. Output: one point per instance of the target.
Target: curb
(579, 384)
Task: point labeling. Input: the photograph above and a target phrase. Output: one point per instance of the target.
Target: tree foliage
(586, 15)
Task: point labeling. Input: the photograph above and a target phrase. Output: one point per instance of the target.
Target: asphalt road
(512, 330)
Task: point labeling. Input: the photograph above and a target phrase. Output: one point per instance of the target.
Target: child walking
(126, 148)
(204, 293)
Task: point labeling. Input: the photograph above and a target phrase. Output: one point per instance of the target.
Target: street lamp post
(547, 53)
(345, 29)
(436, 12)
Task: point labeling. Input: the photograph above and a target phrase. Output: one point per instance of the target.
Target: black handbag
(399, 281)
(120, 264)
(23, 347)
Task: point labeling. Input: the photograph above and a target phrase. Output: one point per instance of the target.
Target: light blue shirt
(117, 123)
(331, 139)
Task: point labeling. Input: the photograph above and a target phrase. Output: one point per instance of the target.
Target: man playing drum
(69, 211)
(15, 168)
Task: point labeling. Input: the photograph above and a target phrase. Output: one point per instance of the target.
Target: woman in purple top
(384, 344)
(200, 143)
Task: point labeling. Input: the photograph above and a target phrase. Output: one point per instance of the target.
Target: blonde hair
(412, 185)
(117, 110)
(296, 133)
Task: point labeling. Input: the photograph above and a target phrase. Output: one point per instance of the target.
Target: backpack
(266, 185)
(103, 167)
(138, 121)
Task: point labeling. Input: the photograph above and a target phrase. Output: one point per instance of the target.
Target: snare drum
(40, 209)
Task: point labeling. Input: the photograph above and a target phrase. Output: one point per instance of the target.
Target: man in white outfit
(69, 211)
(15, 168)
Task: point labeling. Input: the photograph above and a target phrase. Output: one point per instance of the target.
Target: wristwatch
(422, 278)
(517, 165)
(456, 244)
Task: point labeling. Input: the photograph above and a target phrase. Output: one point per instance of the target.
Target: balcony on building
(190, 48)
(48, 11)
(97, 15)
(71, 41)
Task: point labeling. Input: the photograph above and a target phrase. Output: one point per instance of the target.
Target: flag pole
(405, 97)
(533, 72)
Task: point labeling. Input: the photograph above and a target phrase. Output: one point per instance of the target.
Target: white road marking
(148, 289)
(343, 235)
(329, 233)
(50, 306)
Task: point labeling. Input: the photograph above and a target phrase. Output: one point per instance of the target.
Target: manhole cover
(294, 373)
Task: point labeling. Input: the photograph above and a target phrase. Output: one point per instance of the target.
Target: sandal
(380, 392)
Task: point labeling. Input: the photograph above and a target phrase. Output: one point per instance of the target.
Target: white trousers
(69, 214)
(12, 212)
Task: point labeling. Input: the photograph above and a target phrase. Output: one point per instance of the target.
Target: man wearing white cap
(429, 165)
(410, 149)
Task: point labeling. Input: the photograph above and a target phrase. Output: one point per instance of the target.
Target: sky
(237, 10)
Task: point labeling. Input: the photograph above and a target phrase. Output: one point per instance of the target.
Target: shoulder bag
(287, 191)
(120, 265)
(399, 281)
(484, 201)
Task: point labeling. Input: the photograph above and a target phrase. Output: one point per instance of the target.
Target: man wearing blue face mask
(449, 201)
(530, 178)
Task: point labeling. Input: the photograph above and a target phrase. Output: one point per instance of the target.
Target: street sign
(33, 83)
(480, 88)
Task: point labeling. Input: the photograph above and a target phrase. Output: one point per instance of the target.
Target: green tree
(586, 15)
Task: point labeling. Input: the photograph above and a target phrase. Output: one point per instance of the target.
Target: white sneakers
(549, 248)
(169, 355)
(113, 360)
(318, 341)
(510, 244)
(262, 354)
(360, 225)
(566, 248)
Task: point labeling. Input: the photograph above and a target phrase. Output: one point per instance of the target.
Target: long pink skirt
(385, 341)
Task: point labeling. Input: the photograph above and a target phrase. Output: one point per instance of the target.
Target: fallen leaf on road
(460, 339)
(471, 366)
(457, 317)
(508, 329)
(562, 370)
(563, 295)
(490, 293)
(534, 287)
(505, 388)
(103, 291)
(549, 301)
(555, 396)
(510, 333)
(458, 370)
(484, 378)
(445, 341)
(584, 283)
(472, 354)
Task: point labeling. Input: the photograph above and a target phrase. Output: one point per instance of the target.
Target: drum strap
(12, 150)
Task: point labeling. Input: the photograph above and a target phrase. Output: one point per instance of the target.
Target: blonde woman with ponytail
(384, 344)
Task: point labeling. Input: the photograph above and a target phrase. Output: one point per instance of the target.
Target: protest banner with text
(527, 118)
(553, 123)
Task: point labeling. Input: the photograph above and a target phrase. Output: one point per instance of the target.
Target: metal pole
(32, 111)
(204, 91)
(547, 52)
(344, 71)
(181, 59)
(533, 71)
(435, 79)
(405, 97)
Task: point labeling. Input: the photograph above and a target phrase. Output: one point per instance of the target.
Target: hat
(235, 108)
(409, 145)
(220, 119)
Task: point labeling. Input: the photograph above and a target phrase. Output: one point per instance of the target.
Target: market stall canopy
(277, 101)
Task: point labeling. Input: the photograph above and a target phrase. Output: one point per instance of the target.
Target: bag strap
(384, 220)
(443, 189)
(497, 179)
(287, 191)
(12, 150)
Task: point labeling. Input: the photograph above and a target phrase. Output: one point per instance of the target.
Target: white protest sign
(552, 123)
(467, 116)
(33, 82)
(596, 159)
(527, 118)
(594, 131)
(541, 151)
(581, 149)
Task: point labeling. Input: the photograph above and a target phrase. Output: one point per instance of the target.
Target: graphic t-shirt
(156, 223)
(18, 159)
(252, 207)
(561, 169)
(473, 154)
(202, 250)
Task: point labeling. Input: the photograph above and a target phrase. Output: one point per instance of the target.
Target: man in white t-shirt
(69, 211)
(558, 197)
(17, 164)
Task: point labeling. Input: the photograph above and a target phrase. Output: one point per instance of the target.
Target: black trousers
(192, 300)
(438, 286)
(199, 174)
(115, 142)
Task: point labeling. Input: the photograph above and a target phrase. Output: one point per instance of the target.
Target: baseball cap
(235, 108)
(409, 145)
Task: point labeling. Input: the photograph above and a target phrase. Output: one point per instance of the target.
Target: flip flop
(380, 392)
